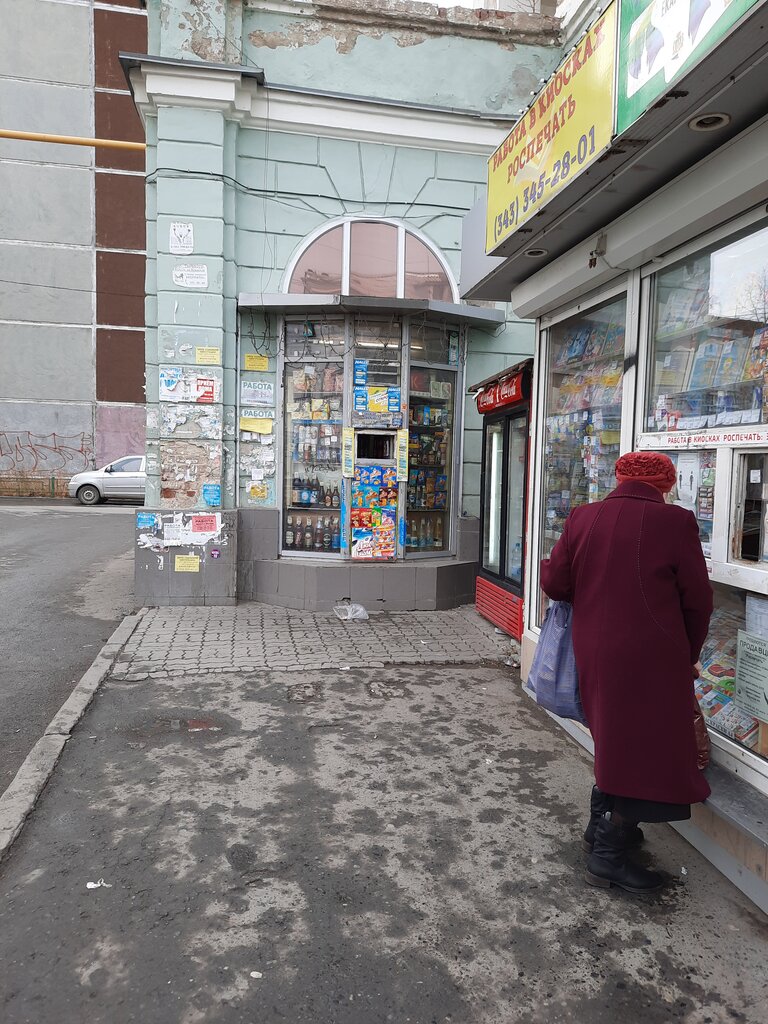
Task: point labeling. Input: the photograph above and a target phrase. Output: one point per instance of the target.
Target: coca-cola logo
(504, 393)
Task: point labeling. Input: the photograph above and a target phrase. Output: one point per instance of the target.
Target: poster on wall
(181, 238)
(751, 689)
(188, 384)
(377, 405)
(660, 40)
(257, 392)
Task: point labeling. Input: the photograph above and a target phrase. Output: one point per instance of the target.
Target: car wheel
(88, 495)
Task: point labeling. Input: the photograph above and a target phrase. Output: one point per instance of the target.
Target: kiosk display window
(314, 409)
(430, 431)
(709, 338)
(695, 489)
(583, 413)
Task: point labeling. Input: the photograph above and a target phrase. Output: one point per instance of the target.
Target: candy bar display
(710, 340)
(583, 413)
(314, 394)
(373, 516)
(430, 420)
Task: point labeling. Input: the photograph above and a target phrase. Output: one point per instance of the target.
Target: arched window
(380, 258)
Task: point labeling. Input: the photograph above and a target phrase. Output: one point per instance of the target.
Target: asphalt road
(66, 580)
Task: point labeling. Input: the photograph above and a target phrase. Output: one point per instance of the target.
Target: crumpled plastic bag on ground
(345, 612)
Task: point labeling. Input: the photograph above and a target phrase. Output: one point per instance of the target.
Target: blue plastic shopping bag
(553, 677)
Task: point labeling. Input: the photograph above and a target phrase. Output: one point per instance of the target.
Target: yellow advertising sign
(208, 354)
(568, 126)
(253, 361)
(187, 563)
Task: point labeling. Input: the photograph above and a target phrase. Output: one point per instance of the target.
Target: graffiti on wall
(22, 452)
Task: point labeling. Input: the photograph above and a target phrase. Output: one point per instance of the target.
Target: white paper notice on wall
(191, 275)
(754, 476)
(181, 239)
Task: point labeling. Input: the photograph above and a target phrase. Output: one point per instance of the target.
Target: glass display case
(314, 404)
(582, 413)
(695, 489)
(430, 432)
(709, 338)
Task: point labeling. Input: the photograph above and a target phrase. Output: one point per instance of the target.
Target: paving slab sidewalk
(345, 845)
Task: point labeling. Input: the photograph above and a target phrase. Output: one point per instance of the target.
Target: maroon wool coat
(633, 568)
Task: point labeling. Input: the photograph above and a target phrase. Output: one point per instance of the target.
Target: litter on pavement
(101, 884)
(346, 612)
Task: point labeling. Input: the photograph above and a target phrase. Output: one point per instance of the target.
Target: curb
(19, 799)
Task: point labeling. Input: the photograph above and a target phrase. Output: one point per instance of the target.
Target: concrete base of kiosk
(316, 583)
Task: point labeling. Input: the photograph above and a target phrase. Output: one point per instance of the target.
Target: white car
(123, 478)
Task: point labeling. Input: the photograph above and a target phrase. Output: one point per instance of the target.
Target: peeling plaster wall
(486, 61)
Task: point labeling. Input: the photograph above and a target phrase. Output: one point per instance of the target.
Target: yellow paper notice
(256, 362)
(256, 425)
(187, 563)
(208, 354)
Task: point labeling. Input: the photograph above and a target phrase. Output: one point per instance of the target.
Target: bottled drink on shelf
(308, 535)
(438, 539)
(327, 536)
(430, 537)
(328, 499)
(298, 533)
(335, 534)
(306, 493)
(307, 445)
(314, 493)
(321, 496)
(335, 497)
(422, 533)
(319, 534)
(289, 532)
(295, 490)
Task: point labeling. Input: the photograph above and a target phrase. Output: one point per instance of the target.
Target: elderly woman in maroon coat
(633, 569)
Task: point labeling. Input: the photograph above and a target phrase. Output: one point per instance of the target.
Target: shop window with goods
(370, 398)
(430, 432)
(710, 339)
(708, 370)
(314, 406)
(582, 425)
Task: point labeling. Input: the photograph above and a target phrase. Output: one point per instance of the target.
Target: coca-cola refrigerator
(504, 403)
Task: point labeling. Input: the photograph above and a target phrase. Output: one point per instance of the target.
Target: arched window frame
(346, 222)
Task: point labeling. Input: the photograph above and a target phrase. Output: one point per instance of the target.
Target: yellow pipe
(69, 140)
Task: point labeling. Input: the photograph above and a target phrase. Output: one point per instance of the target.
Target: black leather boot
(601, 802)
(609, 864)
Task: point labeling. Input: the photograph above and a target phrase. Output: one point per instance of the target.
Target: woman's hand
(697, 670)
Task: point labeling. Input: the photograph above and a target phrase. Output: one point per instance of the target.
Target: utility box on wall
(186, 558)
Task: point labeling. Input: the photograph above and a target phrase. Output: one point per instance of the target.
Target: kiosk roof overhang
(657, 148)
(458, 313)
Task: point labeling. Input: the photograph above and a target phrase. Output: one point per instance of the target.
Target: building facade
(72, 244)
(646, 273)
(309, 436)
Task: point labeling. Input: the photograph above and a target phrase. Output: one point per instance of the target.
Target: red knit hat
(647, 468)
